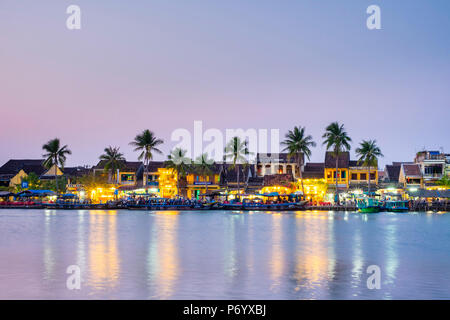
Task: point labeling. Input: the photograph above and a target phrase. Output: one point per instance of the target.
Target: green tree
(114, 161)
(337, 140)
(368, 153)
(147, 143)
(237, 151)
(444, 181)
(55, 156)
(203, 167)
(178, 162)
(298, 143)
(33, 182)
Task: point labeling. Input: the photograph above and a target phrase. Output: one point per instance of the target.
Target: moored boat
(369, 205)
(396, 206)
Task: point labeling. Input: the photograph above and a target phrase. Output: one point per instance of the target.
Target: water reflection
(277, 251)
(314, 254)
(49, 254)
(162, 259)
(103, 253)
(223, 255)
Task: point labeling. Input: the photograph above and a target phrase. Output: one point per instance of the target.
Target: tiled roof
(130, 166)
(278, 179)
(392, 172)
(330, 160)
(411, 170)
(75, 171)
(313, 170)
(13, 166)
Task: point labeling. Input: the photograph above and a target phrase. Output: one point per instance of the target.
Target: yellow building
(358, 174)
(350, 173)
(197, 184)
(167, 182)
(342, 172)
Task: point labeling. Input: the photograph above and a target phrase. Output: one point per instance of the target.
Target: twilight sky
(263, 64)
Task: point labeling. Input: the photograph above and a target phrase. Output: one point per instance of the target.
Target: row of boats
(364, 205)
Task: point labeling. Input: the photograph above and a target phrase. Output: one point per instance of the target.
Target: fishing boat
(265, 202)
(396, 206)
(166, 204)
(369, 205)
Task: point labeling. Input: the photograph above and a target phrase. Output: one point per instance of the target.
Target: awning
(68, 196)
(6, 194)
(422, 193)
(35, 193)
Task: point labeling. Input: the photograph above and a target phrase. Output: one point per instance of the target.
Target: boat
(256, 202)
(369, 205)
(396, 206)
(166, 204)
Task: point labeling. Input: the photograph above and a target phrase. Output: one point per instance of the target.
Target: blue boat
(369, 205)
(396, 206)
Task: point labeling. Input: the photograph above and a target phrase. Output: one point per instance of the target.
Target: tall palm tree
(337, 140)
(298, 143)
(114, 161)
(178, 161)
(203, 166)
(55, 156)
(368, 152)
(237, 151)
(147, 143)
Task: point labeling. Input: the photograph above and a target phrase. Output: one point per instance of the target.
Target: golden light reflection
(314, 257)
(103, 252)
(277, 253)
(162, 260)
(49, 259)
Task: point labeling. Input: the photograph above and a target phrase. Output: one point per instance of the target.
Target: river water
(223, 255)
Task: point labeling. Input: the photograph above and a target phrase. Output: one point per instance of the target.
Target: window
(289, 169)
(343, 174)
(363, 176)
(354, 176)
(280, 169)
(259, 169)
(127, 177)
(329, 175)
(372, 176)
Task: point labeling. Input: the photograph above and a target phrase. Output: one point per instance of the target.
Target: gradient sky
(233, 64)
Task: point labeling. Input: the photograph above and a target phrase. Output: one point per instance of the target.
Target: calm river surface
(223, 255)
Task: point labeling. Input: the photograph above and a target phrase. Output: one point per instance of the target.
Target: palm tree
(147, 143)
(55, 156)
(336, 139)
(237, 151)
(298, 143)
(114, 161)
(178, 161)
(368, 152)
(203, 166)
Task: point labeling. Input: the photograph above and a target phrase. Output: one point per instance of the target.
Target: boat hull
(369, 210)
(398, 209)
